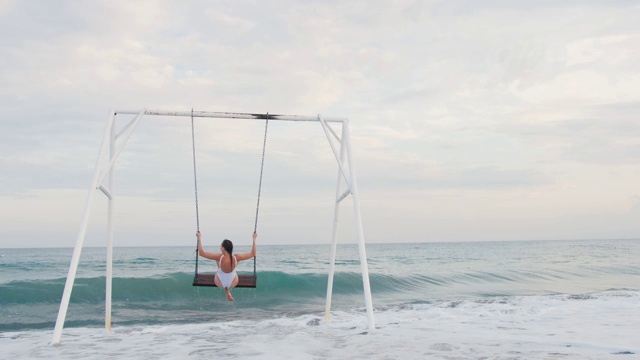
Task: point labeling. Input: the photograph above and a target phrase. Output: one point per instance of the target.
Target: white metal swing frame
(340, 146)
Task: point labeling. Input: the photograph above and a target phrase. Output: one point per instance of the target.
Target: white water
(604, 325)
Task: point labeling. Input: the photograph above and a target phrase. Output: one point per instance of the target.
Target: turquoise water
(152, 285)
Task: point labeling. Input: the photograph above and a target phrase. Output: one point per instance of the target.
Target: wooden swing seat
(244, 281)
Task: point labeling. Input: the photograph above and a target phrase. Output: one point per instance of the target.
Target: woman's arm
(201, 252)
(251, 254)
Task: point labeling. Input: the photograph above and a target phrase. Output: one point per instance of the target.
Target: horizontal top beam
(230, 115)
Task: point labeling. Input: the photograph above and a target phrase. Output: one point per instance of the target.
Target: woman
(226, 276)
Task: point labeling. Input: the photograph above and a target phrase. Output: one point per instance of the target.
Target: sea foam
(596, 326)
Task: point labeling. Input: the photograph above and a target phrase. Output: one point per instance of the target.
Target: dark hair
(228, 245)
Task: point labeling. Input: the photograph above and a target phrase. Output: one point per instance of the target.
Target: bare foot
(229, 297)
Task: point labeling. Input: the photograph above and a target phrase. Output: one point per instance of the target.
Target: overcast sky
(470, 120)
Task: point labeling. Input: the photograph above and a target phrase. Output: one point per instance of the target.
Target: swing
(244, 280)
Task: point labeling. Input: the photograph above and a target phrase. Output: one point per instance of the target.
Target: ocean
(458, 300)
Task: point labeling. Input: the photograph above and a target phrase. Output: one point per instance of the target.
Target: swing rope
(264, 147)
(195, 183)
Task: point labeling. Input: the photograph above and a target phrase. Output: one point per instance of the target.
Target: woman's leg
(234, 283)
(218, 283)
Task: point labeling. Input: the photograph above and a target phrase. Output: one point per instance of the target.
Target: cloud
(495, 101)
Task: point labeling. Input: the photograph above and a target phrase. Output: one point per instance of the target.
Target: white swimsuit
(226, 279)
